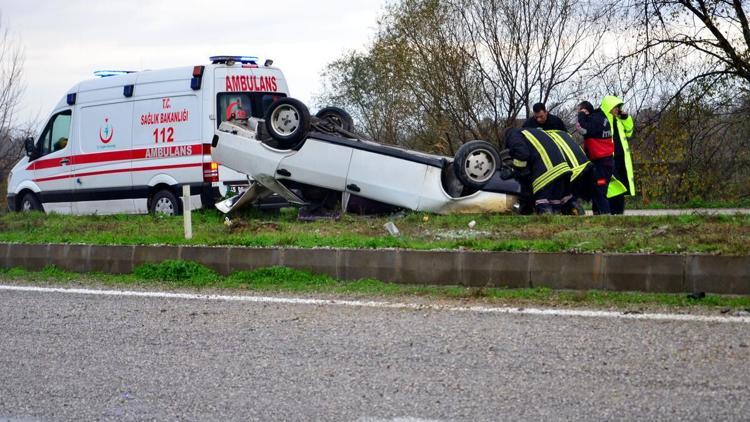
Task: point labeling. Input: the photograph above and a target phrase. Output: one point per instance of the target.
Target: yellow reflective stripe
(629, 168)
(554, 173)
(565, 149)
(519, 163)
(540, 183)
(549, 176)
(576, 166)
(539, 148)
(578, 170)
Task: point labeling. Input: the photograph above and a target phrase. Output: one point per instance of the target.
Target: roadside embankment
(596, 271)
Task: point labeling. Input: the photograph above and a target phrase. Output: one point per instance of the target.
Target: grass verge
(695, 203)
(726, 235)
(190, 275)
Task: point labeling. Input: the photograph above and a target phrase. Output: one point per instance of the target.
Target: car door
(386, 178)
(52, 167)
(319, 163)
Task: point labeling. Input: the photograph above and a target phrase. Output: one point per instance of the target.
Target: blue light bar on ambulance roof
(235, 59)
(107, 73)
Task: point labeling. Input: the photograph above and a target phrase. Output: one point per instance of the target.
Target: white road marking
(406, 419)
(388, 305)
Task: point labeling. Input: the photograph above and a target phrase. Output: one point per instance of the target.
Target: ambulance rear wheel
(288, 122)
(29, 203)
(475, 163)
(164, 202)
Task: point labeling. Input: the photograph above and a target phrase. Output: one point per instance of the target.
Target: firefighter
(580, 170)
(539, 163)
(544, 120)
(600, 149)
(622, 182)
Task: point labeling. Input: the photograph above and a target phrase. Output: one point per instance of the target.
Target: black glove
(507, 173)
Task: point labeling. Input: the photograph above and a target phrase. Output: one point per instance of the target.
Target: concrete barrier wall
(615, 272)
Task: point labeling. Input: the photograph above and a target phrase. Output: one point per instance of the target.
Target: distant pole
(187, 213)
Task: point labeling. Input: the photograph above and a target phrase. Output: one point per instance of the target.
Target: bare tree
(459, 70)
(11, 85)
(437, 71)
(415, 85)
(11, 150)
(712, 37)
(531, 51)
(11, 89)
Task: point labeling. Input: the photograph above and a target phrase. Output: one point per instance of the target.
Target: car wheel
(288, 122)
(29, 203)
(336, 118)
(475, 163)
(164, 202)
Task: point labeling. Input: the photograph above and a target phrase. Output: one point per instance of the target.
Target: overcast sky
(65, 41)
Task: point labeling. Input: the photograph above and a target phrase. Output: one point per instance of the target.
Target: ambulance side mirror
(30, 147)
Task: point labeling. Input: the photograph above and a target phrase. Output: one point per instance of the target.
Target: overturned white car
(305, 159)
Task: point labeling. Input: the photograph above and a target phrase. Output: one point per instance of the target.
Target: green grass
(697, 203)
(727, 235)
(188, 275)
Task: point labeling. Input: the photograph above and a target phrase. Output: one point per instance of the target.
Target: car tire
(337, 118)
(288, 122)
(30, 202)
(165, 202)
(475, 163)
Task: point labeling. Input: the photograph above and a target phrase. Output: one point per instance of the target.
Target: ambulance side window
(234, 107)
(55, 135)
(239, 106)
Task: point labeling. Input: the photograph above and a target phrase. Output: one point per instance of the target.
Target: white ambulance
(127, 142)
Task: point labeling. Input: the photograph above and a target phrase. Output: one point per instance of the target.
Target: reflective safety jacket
(537, 155)
(573, 153)
(622, 128)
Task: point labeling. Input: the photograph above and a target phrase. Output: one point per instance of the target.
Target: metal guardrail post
(187, 212)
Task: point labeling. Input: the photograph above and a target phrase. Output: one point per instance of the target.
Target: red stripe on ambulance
(114, 156)
(124, 170)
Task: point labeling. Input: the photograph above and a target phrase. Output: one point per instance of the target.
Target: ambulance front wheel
(29, 203)
(164, 202)
(288, 122)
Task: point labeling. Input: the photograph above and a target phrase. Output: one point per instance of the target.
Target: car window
(56, 134)
(240, 106)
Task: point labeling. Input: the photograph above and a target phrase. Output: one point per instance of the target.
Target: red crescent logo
(109, 129)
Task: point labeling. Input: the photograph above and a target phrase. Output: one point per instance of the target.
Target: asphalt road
(81, 357)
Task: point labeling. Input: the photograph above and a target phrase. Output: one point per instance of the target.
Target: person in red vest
(600, 149)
